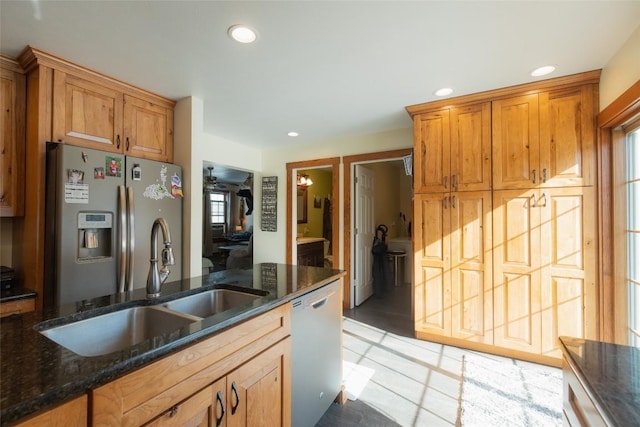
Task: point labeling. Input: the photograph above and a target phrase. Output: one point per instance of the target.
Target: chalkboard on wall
(269, 220)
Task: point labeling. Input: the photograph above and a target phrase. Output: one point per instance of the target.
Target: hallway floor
(408, 382)
(414, 383)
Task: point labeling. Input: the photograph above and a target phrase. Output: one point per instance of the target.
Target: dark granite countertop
(15, 294)
(611, 373)
(36, 373)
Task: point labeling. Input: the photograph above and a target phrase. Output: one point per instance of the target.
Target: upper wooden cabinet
(516, 142)
(528, 136)
(98, 115)
(544, 139)
(453, 149)
(12, 142)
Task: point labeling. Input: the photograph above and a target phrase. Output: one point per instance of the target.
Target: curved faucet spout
(156, 277)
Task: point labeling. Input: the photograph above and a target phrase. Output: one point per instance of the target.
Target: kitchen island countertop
(37, 373)
(611, 375)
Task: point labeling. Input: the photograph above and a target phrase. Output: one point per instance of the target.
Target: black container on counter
(8, 279)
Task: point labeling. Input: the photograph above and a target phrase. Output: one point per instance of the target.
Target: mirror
(302, 205)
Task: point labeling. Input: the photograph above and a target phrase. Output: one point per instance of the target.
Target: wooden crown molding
(623, 108)
(32, 57)
(7, 63)
(587, 77)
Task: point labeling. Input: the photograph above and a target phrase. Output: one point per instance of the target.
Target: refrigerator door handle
(131, 237)
(121, 255)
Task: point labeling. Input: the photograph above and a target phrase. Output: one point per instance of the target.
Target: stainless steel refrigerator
(100, 208)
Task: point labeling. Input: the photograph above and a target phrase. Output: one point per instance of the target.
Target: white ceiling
(326, 69)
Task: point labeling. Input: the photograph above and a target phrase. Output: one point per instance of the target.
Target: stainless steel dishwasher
(316, 353)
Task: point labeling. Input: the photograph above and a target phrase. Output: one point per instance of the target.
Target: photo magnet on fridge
(113, 166)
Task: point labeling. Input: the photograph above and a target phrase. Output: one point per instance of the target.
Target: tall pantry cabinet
(452, 222)
(504, 208)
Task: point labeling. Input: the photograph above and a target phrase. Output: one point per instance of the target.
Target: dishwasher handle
(321, 302)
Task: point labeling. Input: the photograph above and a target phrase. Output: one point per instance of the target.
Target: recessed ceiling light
(242, 33)
(543, 71)
(443, 92)
(293, 133)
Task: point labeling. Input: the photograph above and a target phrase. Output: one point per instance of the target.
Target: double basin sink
(119, 330)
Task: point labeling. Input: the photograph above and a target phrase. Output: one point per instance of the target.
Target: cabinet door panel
(567, 137)
(12, 142)
(515, 142)
(471, 269)
(257, 391)
(432, 261)
(516, 258)
(568, 265)
(148, 129)
(471, 147)
(86, 114)
(431, 153)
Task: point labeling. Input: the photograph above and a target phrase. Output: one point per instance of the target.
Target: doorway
(299, 220)
(395, 215)
(227, 213)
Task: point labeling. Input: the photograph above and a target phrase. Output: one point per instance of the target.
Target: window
(632, 232)
(219, 203)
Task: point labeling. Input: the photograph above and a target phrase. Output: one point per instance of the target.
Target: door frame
(612, 299)
(333, 163)
(347, 172)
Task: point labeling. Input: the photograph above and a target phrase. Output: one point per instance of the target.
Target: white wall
(192, 147)
(622, 70)
(272, 246)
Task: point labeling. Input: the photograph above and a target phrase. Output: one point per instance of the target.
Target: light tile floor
(414, 382)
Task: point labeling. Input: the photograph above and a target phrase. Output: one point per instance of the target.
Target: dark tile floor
(391, 312)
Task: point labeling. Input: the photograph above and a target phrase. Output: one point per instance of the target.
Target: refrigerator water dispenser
(94, 235)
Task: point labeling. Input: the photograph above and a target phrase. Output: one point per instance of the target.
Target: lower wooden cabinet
(17, 307)
(544, 268)
(578, 408)
(70, 414)
(259, 391)
(255, 394)
(506, 271)
(238, 377)
(453, 265)
(196, 411)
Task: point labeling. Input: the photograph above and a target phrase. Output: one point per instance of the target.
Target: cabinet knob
(446, 181)
(127, 148)
(534, 176)
(118, 141)
(454, 182)
(173, 411)
(544, 175)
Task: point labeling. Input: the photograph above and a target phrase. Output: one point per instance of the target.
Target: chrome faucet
(157, 277)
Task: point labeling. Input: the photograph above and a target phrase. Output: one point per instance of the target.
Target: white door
(364, 232)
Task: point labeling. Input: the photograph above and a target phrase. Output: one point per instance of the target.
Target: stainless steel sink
(116, 331)
(208, 303)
